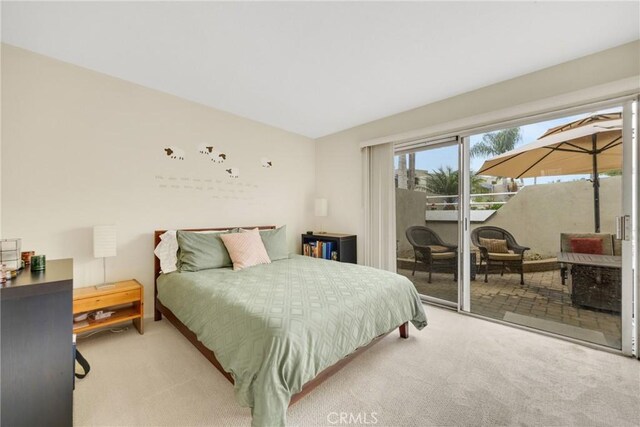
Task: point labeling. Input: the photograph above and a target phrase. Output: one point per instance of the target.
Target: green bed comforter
(274, 327)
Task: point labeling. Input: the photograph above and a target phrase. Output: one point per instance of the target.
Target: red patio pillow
(586, 245)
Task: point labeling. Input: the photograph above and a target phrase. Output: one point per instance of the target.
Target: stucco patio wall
(410, 210)
(535, 216)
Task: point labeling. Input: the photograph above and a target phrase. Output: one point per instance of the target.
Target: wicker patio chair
(512, 255)
(431, 250)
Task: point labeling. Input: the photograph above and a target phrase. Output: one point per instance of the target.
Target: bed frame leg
(157, 315)
(404, 330)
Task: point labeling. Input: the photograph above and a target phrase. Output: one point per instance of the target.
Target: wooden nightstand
(126, 299)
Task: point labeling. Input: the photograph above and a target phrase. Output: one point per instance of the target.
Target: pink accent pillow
(245, 249)
(586, 245)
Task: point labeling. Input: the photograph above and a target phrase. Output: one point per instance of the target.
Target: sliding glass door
(531, 224)
(549, 221)
(427, 217)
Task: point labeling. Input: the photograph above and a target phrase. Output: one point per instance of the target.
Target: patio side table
(596, 280)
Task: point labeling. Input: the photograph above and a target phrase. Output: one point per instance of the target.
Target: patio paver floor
(541, 297)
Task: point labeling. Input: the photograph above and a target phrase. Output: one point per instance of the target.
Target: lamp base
(105, 286)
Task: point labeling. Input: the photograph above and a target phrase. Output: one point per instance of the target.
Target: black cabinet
(36, 365)
(344, 244)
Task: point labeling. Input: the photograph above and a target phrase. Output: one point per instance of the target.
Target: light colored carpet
(458, 371)
(584, 334)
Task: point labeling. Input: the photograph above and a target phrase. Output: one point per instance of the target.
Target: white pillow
(167, 250)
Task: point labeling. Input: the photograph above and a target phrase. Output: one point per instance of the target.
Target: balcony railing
(507, 194)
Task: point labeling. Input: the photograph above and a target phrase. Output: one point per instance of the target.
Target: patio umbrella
(583, 146)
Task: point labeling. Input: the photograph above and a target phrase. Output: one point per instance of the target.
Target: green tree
(495, 143)
(444, 180)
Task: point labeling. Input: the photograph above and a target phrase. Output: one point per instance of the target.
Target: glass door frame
(628, 230)
(464, 224)
(421, 145)
(635, 214)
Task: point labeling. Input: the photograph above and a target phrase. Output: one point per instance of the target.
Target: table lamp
(104, 245)
(322, 209)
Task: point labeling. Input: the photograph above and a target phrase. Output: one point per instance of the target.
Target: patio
(541, 303)
(524, 225)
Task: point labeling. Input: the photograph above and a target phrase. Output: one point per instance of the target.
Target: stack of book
(318, 249)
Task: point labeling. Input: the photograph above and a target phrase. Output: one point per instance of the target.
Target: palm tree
(476, 183)
(495, 143)
(444, 180)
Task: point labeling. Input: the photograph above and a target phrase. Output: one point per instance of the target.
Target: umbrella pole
(596, 184)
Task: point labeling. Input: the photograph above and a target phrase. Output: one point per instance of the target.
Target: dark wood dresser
(36, 354)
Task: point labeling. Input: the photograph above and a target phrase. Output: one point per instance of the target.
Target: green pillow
(201, 251)
(275, 242)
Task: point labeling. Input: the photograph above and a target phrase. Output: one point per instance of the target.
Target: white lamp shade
(104, 241)
(322, 207)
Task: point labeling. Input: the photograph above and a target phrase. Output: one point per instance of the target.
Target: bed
(278, 330)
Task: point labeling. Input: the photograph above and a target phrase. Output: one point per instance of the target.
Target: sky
(448, 156)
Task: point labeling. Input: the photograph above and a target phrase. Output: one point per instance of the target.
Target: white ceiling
(317, 68)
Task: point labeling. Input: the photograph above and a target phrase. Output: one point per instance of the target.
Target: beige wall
(539, 213)
(81, 148)
(410, 207)
(338, 161)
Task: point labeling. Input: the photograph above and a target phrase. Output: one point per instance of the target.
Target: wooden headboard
(156, 240)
